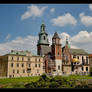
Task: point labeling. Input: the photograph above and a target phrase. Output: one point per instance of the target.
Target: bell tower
(57, 53)
(43, 43)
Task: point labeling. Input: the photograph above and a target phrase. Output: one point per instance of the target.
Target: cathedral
(60, 60)
(51, 59)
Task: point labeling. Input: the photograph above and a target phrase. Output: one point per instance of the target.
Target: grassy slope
(20, 82)
(11, 82)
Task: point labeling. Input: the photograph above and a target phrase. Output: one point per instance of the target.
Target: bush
(54, 85)
(44, 77)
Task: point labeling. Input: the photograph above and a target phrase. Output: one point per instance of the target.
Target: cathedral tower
(43, 43)
(57, 53)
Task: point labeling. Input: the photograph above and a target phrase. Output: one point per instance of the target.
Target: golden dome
(75, 60)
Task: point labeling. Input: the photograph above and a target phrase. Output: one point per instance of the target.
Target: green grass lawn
(21, 81)
(80, 77)
(17, 82)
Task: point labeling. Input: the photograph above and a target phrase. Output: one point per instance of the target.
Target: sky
(20, 25)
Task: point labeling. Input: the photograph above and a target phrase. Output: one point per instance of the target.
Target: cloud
(8, 37)
(85, 20)
(90, 7)
(66, 19)
(81, 40)
(33, 11)
(52, 10)
(26, 43)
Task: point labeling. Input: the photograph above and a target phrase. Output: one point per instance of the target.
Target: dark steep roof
(56, 35)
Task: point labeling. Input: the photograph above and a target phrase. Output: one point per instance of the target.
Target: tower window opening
(44, 37)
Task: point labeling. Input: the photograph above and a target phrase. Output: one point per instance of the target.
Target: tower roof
(56, 35)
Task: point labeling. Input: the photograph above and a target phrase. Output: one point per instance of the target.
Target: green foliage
(44, 78)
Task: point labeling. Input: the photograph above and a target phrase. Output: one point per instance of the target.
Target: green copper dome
(43, 36)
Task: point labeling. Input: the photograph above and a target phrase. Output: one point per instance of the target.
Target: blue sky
(18, 22)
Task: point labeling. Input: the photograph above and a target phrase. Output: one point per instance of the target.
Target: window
(13, 71)
(74, 62)
(54, 41)
(28, 70)
(39, 74)
(23, 70)
(18, 58)
(77, 62)
(35, 65)
(17, 71)
(58, 67)
(28, 59)
(44, 37)
(82, 60)
(58, 53)
(10, 76)
(36, 59)
(78, 57)
(74, 56)
(22, 59)
(82, 68)
(11, 64)
(22, 65)
(86, 68)
(58, 41)
(12, 58)
(29, 65)
(86, 60)
(17, 64)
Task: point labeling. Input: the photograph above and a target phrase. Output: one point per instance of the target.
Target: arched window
(44, 37)
(86, 68)
(82, 69)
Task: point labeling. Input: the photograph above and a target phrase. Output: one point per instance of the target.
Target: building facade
(21, 64)
(64, 60)
(52, 60)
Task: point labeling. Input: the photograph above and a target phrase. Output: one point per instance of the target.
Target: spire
(55, 35)
(66, 40)
(67, 43)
